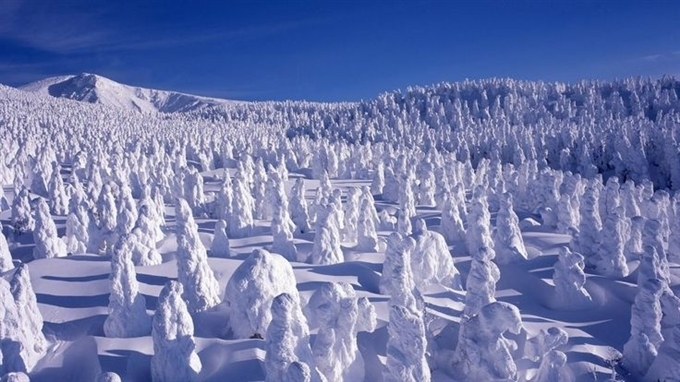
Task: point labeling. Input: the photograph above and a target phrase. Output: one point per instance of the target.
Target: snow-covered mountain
(93, 88)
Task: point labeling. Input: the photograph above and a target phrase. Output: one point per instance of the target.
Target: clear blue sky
(332, 50)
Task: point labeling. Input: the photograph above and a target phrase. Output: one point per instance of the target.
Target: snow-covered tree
(201, 289)
(508, 242)
(551, 367)
(452, 226)
(298, 206)
(589, 229)
(431, 261)
(339, 316)
(287, 340)
(251, 289)
(566, 214)
(47, 243)
(143, 239)
(174, 357)
(58, 199)
(481, 282)
(482, 352)
(645, 328)
(367, 237)
(664, 366)
(351, 212)
(15, 376)
(406, 347)
(5, 255)
(633, 246)
(610, 259)
(220, 244)
(127, 211)
(21, 219)
(569, 280)
(326, 249)
(397, 277)
(241, 218)
(478, 233)
(127, 307)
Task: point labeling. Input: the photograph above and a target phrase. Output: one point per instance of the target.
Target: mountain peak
(93, 88)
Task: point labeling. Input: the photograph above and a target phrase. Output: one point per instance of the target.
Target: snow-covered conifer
(544, 342)
(193, 190)
(367, 238)
(569, 279)
(566, 215)
(5, 255)
(482, 352)
(201, 289)
(431, 261)
(406, 347)
(282, 233)
(550, 369)
(174, 357)
(326, 249)
(633, 247)
(664, 366)
(47, 243)
(589, 229)
(241, 218)
(351, 212)
(22, 221)
(610, 259)
(261, 192)
(287, 339)
(127, 211)
(508, 242)
(251, 289)
(378, 181)
(397, 277)
(451, 223)
(298, 206)
(32, 341)
(645, 328)
(481, 281)
(58, 199)
(391, 188)
(127, 307)
(651, 235)
(220, 244)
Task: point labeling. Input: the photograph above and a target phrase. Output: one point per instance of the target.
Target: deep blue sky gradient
(332, 50)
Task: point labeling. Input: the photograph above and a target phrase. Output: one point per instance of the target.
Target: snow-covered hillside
(97, 89)
(473, 231)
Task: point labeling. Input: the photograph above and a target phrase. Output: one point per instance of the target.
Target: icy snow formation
(251, 289)
(127, 306)
(200, 285)
(174, 357)
(483, 353)
(431, 262)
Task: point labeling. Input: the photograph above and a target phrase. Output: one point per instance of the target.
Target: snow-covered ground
(550, 272)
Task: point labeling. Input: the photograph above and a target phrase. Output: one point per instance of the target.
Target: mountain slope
(92, 88)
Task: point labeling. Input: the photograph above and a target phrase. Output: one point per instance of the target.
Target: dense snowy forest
(472, 231)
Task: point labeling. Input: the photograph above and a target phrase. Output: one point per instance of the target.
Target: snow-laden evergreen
(569, 279)
(287, 339)
(431, 261)
(298, 206)
(251, 289)
(47, 243)
(174, 350)
(5, 255)
(508, 242)
(220, 245)
(482, 352)
(201, 289)
(406, 347)
(127, 306)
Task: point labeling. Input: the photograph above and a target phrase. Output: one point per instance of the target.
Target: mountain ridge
(96, 89)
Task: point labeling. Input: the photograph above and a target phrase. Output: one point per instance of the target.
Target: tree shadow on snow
(71, 330)
(74, 301)
(77, 279)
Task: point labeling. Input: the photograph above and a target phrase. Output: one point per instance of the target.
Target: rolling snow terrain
(475, 231)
